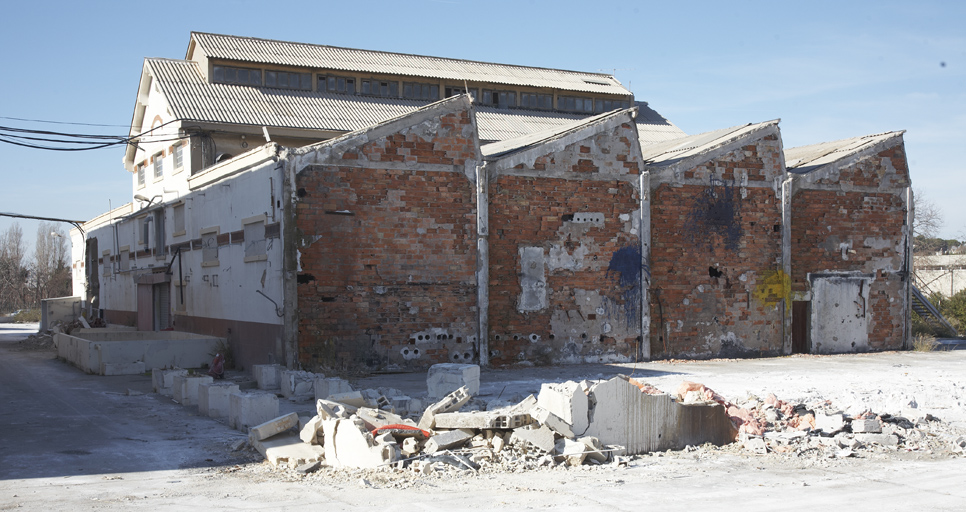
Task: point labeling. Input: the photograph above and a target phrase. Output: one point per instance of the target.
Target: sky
(828, 70)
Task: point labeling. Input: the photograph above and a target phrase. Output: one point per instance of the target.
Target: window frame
(157, 163)
(141, 174)
(212, 235)
(174, 220)
(177, 157)
(323, 84)
(257, 242)
(433, 91)
(273, 79)
(223, 70)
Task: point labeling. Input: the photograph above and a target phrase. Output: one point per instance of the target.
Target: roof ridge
(193, 33)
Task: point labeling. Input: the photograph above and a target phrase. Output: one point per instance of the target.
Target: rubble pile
(39, 341)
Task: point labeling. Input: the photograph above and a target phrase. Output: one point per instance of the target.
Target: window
(538, 101)
(417, 91)
(384, 88)
(502, 99)
(159, 251)
(255, 238)
(239, 76)
(107, 263)
(337, 84)
(144, 230)
(141, 175)
(158, 165)
(575, 104)
(608, 105)
(177, 212)
(209, 247)
(124, 256)
(453, 90)
(287, 80)
(177, 154)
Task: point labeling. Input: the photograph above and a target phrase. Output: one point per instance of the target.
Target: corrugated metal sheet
(805, 159)
(247, 49)
(192, 98)
(510, 145)
(670, 151)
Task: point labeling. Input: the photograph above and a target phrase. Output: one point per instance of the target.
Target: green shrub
(27, 316)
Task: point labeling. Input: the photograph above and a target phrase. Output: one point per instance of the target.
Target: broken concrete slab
(569, 451)
(273, 427)
(444, 378)
(327, 386)
(214, 398)
(163, 380)
(288, 450)
(593, 449)
(351, 398)
(482, 420)
(451, 402)
(446, 440)
(268, 376)
(297, 385)
(332, 410)
(568, 401)
(890, 440)
(185, 388)
(247, 409)
(624, 415)
(310, 432)
(410, 447)
(541, 437)
(347, 444)
(376, 418)
(830, 423)
(545, 417)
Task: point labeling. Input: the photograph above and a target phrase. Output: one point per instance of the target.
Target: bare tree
(51, 270)
(927, 217)
(13, 271)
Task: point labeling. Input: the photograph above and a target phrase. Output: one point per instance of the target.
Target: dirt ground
(82, 442)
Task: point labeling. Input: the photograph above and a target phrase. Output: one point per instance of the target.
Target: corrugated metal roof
(670, 151)
(192, 98)
(253, 50)
(804, 159)
(501, 148)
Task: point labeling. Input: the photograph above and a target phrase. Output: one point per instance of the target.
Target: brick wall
(388, 252)
(853, 220)
(715, 257)
(564, 252)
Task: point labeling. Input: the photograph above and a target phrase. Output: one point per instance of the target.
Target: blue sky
(829, 70)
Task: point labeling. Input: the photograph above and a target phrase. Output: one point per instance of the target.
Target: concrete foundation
(97, 350)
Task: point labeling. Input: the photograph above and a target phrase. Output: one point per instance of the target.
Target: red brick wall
(867, 226)
(591, 269)
(393, 283)
(715, 257)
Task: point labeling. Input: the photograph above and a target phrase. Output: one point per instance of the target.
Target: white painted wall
(945, 274)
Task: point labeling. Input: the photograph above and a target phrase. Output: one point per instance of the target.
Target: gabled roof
(192, 98)
(266, 51)
(805, 159)
(499, 149)
(669, 152)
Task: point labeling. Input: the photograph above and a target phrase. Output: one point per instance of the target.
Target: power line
(62, 122)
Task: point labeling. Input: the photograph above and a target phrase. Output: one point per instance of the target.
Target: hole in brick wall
(412, 341)
(415, 351)
(713, 272)
(583, 336)
(450, 336)
(592, 316)
(405, 351)
(459, 340)
(439, 337)
(301, 192)
(496, 337)
(467, 356)
(304, 278)
(456, 357)
(551, 336)
(567, 218)
(777, 228)
(327, 299)
(516, 337)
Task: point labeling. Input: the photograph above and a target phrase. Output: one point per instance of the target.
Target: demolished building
(326, 207)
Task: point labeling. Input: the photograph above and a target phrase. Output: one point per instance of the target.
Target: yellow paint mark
(774, 286)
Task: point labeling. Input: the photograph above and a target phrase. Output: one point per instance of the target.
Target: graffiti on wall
(716, 214)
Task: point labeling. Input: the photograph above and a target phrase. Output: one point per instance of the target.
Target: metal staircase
(928, 312)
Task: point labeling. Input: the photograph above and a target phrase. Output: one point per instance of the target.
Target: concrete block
(482, 420)
(870, 426)
(449, 403)
(830, 423)
(525, 405)
(186, 388)
(351, 398)
(273, 427)
(268, 376)
(331, 410)
(551, 420)
(542, 437)
(410, 447)
(442, 379)
(311, 431)
(135, 368)
(325, 387)
(297, 385)
(347, 444)
(288, 450)
(446, 440)
(593, 449)
(375, 418)
(163, 380)
(213, 398)
(570, 451)
(247, 409)
(568, 401)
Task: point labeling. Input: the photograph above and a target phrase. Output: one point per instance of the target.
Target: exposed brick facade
(565, 262)
(853, 220)
(715, 255)
(388, 253)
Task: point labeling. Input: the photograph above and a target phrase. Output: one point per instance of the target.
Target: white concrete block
(567, 401)
(163, 380)
(213, 398)
(311, 431)
(325, 387)
(186, 388)
(288, 450)
(442, 379)
(347, 444)
(446, 440)
(297, 385)
(871, 426)
(268, 376)
(252, 408)
(135, 368)
(272, 427)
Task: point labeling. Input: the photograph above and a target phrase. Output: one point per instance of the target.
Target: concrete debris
(443, 379)
(568, 401)
(541, 438)
(325, 387)
(268, 376)
(329, 410)
(310, 433)
(297, 385)
(482, 420)
(287, 450)
(871, 426)
(247, 409)
(449, 403)
(309, 467)
(273, 427)
(446, 440)
(349, 398)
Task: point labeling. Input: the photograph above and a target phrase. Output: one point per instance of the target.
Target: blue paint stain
(626, 263)
(716, 214)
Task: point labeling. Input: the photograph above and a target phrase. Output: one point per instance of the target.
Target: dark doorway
(800, 321)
